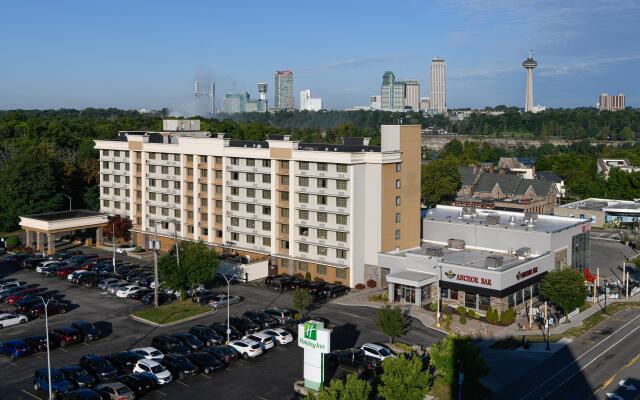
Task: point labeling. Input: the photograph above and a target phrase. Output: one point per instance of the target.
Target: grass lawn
(173, 311)
(475, 391)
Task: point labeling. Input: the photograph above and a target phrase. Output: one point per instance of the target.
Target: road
(591, 367)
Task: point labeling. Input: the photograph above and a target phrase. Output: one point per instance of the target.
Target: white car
(8, 319)
(45, 264)
(264, 339)
(149, 353)
(125, 250)
(280, 335)
(247, 348)
(377, 351)
(162, 375)
(127, 290)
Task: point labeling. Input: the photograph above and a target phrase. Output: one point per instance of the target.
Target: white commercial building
(309, 103)
(412, 94)
(438, 85)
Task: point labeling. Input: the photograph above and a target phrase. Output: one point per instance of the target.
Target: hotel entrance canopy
(411, 278)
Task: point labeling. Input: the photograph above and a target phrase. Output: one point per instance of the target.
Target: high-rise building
(262, 91)
(424, 103)
(325, 209)
(309, 103)
(283, 98)
(412, 94)
(392, 93)
(611, 103)
(438, 85)
(233, 103)
(529, 64)
(376, 102)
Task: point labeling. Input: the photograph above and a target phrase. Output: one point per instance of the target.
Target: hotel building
(326, 209)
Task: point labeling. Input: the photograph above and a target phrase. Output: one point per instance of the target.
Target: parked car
(281, 336)
(261, 318)
(315, 288)
(206, 362)
(125, 249)
(264, 339)
(124, 292)
(89, 331)
(149, 353)
(15, 348)
(283, 316)
(32, 262)
(281, 283)
(162, 375)
(114, 287)
(162, 298)
(53, 308)
(225, 353)
(116, 391)
(104, 284)
(63, 272)
(244, 325)
(9, 319)
(19, 295)
(59, 384)
(179, 365)
(207, 335)
(78, 376)
(222, 301)
(65, 336)
(99, 367)
(247, 348)
(139, 383)
(124, 361)
(168, 344)
(221, 329)
(140, 293)
(377, 351)
(204, 296)
(37, 343)
(270, 278)
(332, 291)
(82, 394)
(189, 340)
(354, 359)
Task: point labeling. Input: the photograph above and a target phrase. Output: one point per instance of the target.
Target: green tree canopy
(391, 321)
(440, 181)
(403, 379)
(302, 299)
(565, 289)
(198, 264)
(455, 354)
(352, 389)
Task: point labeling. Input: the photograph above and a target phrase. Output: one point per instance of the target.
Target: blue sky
(146, 54)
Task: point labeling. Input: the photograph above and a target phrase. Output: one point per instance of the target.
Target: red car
(92, 263)
(37, 310)
(63, 272)
(19, 295)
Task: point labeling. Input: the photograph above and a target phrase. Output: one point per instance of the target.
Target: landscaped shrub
(318, 279)
(472, 314)
(307, 276)
(463, 314)
(489, 316)
(12, 242)
(371, 283)
(299, 275)
(385, 296)
(360, 286)
(508, 316)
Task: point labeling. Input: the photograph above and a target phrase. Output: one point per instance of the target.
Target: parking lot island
(173, 313)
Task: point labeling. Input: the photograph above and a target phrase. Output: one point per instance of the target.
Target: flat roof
(62, 215)
(408, 276)
(469, 257)
(595, 204)
(514, 220)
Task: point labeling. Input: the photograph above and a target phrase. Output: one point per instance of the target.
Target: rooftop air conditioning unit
(524, 252)
(492, 220)
(433, 251)
(455, 244)
(494, 261)
(529, 215)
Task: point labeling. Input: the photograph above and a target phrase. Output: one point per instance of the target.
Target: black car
(224, 353)
(261, 318)
(282, 283)
(89, 331)
(334, 290)
(162, 298)
(63, 255)
(206, 335)
(139, 294)
(189, 340)
(78, 376)
(207, 363)
(124, 361)
(354, 359)
(32, 262)
(204, 297)
(99, 367)
(270, 278)
(244, 325)
(84, 394)
(169, 344)
(221, 329)
(37, 343)
(315, 288)
(298, 283)
(179, 365)
(139, 383)
(65, 336)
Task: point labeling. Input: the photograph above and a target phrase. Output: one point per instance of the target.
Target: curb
(172, 323)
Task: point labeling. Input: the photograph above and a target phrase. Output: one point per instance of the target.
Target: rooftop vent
(529, 215)
(512, 220)
(456, 244)
(494, 261)
(531, 223)
(492, 220)
(432, 251)
(524, 252)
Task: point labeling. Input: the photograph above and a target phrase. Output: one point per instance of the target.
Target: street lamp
(113, 244)
(46, 327)
(439, 297)
(228, 303)
(68, 197)
(605, 296)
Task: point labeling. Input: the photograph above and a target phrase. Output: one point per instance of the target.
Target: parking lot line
(162, 393)
(228, 369)
(31, 394)
(61, 349)
(205, 376)
(352, 315)
(182, 383)
(261, 398)
(15, 364)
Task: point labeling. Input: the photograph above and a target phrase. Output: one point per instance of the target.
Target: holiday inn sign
(316, 342)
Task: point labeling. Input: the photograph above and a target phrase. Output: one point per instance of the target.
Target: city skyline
(83, 50)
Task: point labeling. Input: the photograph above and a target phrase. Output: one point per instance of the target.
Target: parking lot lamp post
(439, 297)
(228, 304)
(605, 296)
(46, 327)
(113, 244)
(155, 263)
(68, 197)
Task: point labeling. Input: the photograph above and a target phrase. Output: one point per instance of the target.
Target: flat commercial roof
(470, 257)
(612, 205)
(62, 215)
(514, 220)
(410, 277)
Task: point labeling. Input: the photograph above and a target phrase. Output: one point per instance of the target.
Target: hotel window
(303, 247)
(251, 177)
(218, 203)
(284, 196)
(204, 217)
(266, 178)
(322, 251)
(235, 176)
(303, 181)
(235, 221)
(341, 219)
(139, 167)
(284, 164)
(303, 198)
(205, 231)
(397, 235)
(341, 273)
(322, 167)
(176, 157)
(105, 203)
(152, 182)
(203, 202)
(322, 200)
(138, 194)
(342, 254)
(164, 170)
(152, 196)
(218, 233)
(105, 177)
(321, 183)
(203, 173)
(342, 168)
(165, 198)
(218, 219)
(266, 210)
(235, 206)
(266, 163)
(284, 244)
(397, 218)
(105, 164)
(218, 189)
(176, 185)
(284, 228)
(398, 167)
(164, 156)
(304, 231)
(266, 194)
(235, 236)
(116, 178)
(116, 165)
(251, 208)
(217, 174)
(397, 200)
(105, 190)
(152, 156)
(217, 160)
(116, 153)
(322, 233)
(250, 162)
(105, 152)
(322, 216)
(235, 191)
(341, 184)
(189, 214)
(189, 171)
(303, 266)
(189, 158)
(235, 161)
(189, 200)
(152, 209)
(164, 212)
(176, 170)
(189, 185)
(303, 214)
(139, 181)
(266, 241)
(250, 223)
(177, 213)
(203, 159)
(266, 226)
(284, 179)
(341, 236)
(284, 212)
(321, 269)
(397, 183)
(164, 184)
(303, 165)
(116, 204)
(189, 228)
(251, 193)
(341, 201)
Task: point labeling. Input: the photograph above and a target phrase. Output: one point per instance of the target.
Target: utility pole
(155, 264)
(113, 244)
(68, 197)
(46, 327)
(627, 283)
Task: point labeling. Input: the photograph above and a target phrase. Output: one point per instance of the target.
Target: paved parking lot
(268, 377)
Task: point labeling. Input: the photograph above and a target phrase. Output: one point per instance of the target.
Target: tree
(122, 226)
(301, 300)
(404, 379)
(440, 181)
(353, 388)
(455, 354)
(391, 321)
(565, 289)
(198, 264)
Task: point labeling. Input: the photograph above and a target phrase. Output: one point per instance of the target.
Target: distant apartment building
(376, 102)
(392, 93)
(611, 103)
(438, 85)
(326, 209)
(424, 103)
(234, 103)
(309, 103)
(412, 94)
(283, 98)
(604, 166)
